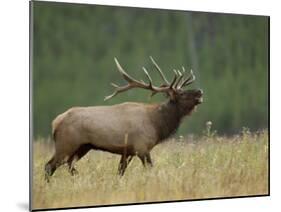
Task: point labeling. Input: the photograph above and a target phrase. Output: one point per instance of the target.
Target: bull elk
(128, 129)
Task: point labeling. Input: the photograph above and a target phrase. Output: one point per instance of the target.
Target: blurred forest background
(74, 46)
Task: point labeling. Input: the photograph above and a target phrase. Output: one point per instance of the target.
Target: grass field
(184, 168)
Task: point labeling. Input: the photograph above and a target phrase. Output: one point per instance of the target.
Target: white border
(14, 88)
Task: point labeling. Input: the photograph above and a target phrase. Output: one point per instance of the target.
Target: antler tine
(123, 72)
(189, 80)
(173, 81)
(110, 96)
(147, 75)
(179, 80)
(118, 90)
(176, 73)
(183, 70)
(179, 73)
(183, 73)
(159, 70)
(114, 85)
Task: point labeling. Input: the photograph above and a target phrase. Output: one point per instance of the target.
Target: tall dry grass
(206, 167)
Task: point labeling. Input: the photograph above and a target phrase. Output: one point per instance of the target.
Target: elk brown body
(128, 129)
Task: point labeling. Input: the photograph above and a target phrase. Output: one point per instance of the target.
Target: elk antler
(167, 87)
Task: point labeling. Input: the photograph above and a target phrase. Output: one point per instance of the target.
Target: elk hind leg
(60, 157)
(77, 155)
(51, 167)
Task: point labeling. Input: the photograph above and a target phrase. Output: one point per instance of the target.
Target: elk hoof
(73, 172)
(47, 178)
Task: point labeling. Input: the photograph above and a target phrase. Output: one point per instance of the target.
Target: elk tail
(56, 124)
(54, 133)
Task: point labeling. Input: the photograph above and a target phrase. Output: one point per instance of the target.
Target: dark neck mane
(167, 118)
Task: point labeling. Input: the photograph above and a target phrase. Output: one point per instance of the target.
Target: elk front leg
(148, 159)
(70, 163)
(123, 164)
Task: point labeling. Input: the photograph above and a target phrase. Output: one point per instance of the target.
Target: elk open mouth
(199, 100)
(199, 97)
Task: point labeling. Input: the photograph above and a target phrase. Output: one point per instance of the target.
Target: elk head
(185, 100)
